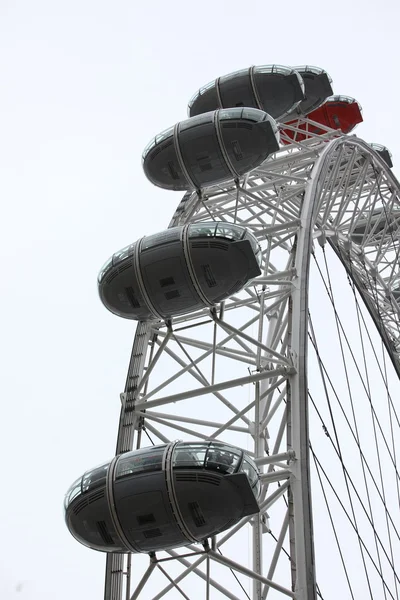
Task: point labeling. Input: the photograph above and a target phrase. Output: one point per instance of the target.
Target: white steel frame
(249, 355)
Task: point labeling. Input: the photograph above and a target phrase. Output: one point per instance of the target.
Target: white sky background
(84, 85)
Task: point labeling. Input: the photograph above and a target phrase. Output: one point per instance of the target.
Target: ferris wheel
(256, 451)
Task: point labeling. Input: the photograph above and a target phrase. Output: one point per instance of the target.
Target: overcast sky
(84, 85)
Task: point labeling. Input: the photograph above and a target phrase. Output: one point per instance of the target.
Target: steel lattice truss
(239, 373)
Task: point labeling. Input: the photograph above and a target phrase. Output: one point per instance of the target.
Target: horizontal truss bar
(223, 560)
(210, 389)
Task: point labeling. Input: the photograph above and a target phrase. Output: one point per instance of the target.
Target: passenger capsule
(380, 221)
(338, 112)
(179, 270)
(162, 497)
(209, 149)
(273, 88)
(384, 153)
(317, 89)
(395, 288)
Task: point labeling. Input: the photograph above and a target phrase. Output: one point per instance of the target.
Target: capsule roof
(274, 88)
(210, 148)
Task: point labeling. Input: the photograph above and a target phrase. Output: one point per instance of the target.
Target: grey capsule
(179, 270)
(210, 149)
(162, 497)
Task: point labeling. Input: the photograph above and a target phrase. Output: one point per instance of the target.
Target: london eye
(256, 448)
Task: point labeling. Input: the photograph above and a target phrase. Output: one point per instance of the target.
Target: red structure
(338, 112)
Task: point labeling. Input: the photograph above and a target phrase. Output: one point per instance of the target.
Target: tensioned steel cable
(393, 459)
(319, 465)
(384, 378)
(290, 559)
(236, 577)
(330, 293)
(375, 434)
(392, 435)
(382, 498)
(371, 516)
(359, 373)
(326, 431)
(334, 530)
(342, 463)
(390, 403)
(145, 430)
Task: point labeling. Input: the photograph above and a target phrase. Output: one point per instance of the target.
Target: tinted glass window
(396, 283)
(253, 241)
(201, 91)
(139, 461)
(234, 75)
(227, 230)
(251, 472)
(346, 99)
(222, 458)
(95, 477)
(273, 69)
(149, 147)
(122, 254)
(215, 456)
(195, 121)
(190, 455)
(164, 135)
(378, 147)
(232, 113)
(105, 268)
(202, 230)
(164, 237)
(73, 492)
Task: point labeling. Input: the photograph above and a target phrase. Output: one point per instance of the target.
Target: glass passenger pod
(215, 485)
(318, 87)
(395, 289)
(156, 278)
(338, 112)
(210, 149)
(273, 88)
(384, 153)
